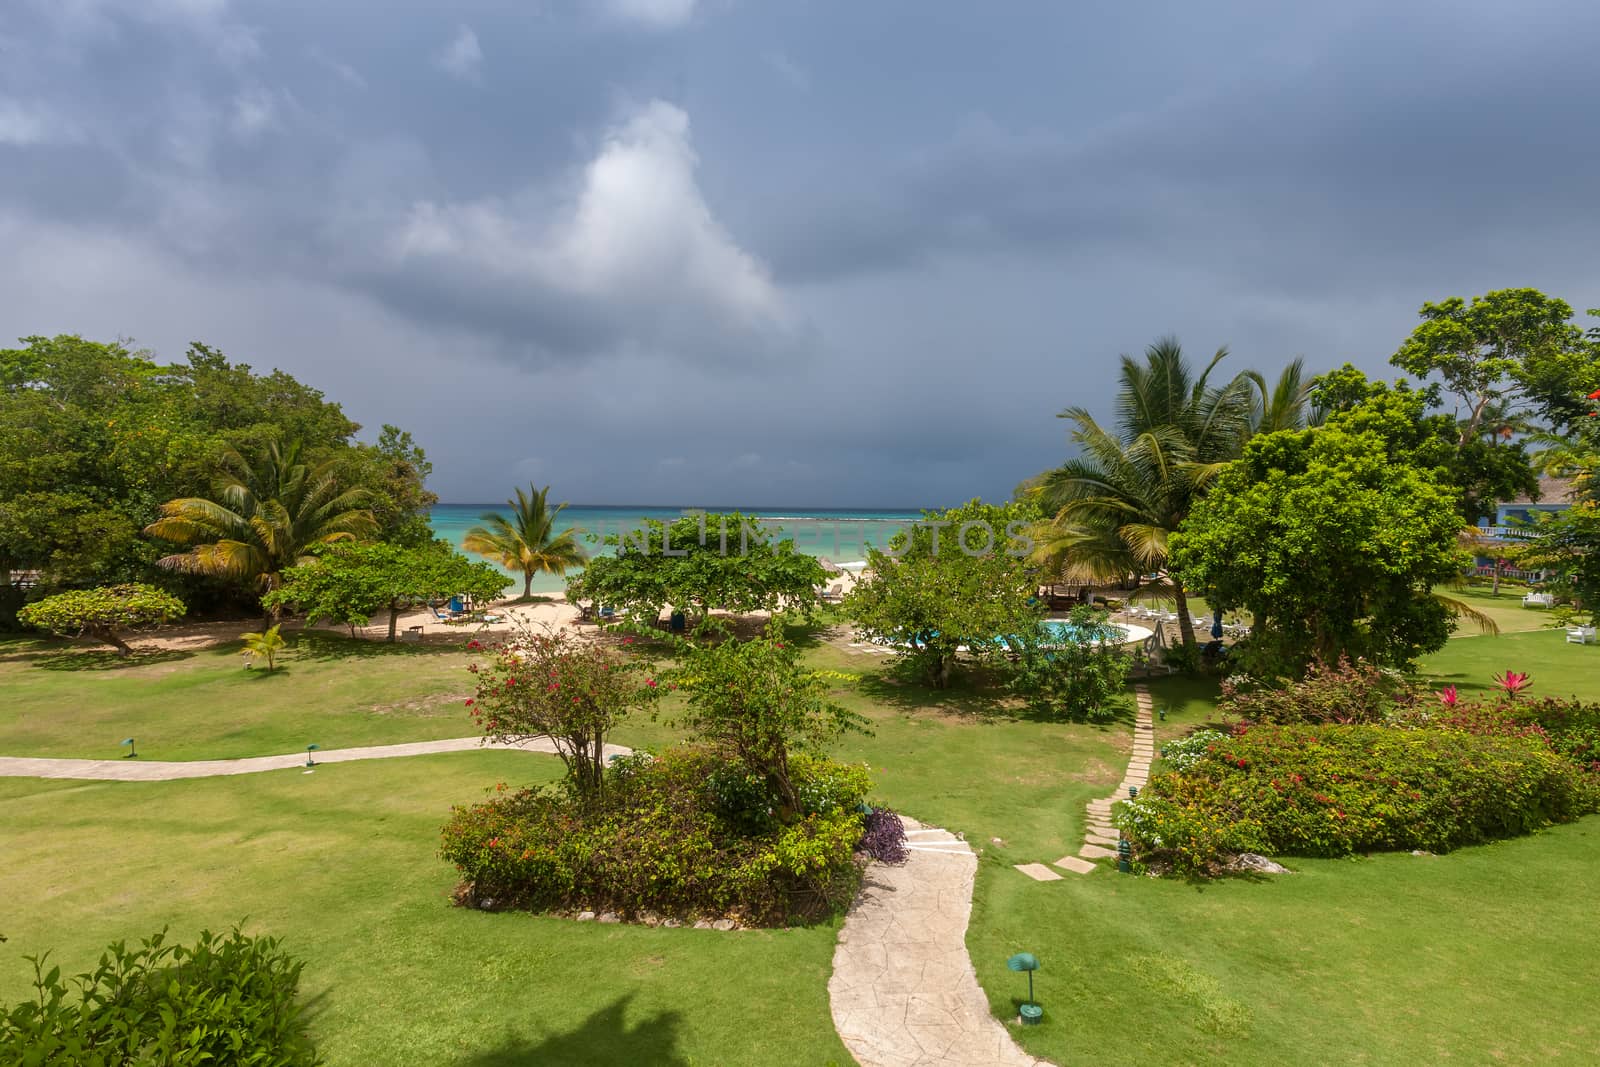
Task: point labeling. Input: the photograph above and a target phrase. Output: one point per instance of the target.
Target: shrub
(1187, 751)
(226, 999)
(1076, 679)
(1332, 790)
(1570, 728)
(1351, 692)
(884, 838)
(103, 613)
(670, 836)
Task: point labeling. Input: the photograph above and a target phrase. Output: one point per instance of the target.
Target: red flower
(473, 644)
(469, 702)
(510, 682)
(627, 640)
(1513, 682)
(651, 682)
(1449, 697)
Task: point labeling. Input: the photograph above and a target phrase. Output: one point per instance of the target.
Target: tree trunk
(941, 670)
(110, 637)
(1495, 588)
(1185, 624)
(394, 619)
(527, 585)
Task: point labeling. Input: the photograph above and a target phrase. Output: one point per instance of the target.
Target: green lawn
(342, 863)
(1482, 954)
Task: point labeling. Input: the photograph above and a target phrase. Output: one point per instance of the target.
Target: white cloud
(659, 14)
(633, 255)
(462, 57)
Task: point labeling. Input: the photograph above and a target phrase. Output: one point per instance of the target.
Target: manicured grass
(342, 863)
(1558, 669)
(333, 691)
(1484, 955)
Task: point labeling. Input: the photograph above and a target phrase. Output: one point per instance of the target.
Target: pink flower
(1449, 697)
(1513, 682)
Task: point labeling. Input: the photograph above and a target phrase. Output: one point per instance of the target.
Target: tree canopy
(1333, 539)
(957, 579)
(526, 540)
(95, 437)
(699, 564)
(352, 583)
(104, 613)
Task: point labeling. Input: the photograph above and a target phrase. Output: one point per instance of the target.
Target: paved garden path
(1100, 841)
(138, 770)
(903, 992)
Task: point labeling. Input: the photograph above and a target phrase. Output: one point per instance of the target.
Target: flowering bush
(1331, 790)
(1352, 691)
(1187, 751)
(539, 684)
(663, 840)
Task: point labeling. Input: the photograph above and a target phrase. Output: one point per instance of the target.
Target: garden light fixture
(1027, 961)
(132, 754)
(310, 763)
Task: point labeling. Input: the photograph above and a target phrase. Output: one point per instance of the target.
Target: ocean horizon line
(789, 510)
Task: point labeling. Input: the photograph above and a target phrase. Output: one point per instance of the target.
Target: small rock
(671, 924)
(1420, 852)
(722, 924)
(702, 924)
(650, 918)
(585, 916)
(610, 917)
(1249, 861)
(487, 904)
(996, 841)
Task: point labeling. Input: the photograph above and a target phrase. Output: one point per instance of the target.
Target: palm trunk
(1185, 624)
(1495, 587)
(527, 585)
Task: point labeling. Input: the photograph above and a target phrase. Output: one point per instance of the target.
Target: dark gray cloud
(668, 251)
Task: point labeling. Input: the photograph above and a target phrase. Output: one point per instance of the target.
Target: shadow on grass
(603, 1038)
(321, 646)
(74, 658)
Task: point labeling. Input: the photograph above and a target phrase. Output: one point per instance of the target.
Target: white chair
(1539, 600)
(1580, 635)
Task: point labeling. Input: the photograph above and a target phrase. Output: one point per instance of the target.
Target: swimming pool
(1059, 631)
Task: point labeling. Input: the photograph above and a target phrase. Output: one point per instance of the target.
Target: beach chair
(1580, 635)
(835, 593)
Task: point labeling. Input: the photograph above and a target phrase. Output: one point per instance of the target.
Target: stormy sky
(778, 253)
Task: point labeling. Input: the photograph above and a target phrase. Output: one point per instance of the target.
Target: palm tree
(264, 515)
(527, 540)
(1116, 505)
(1284, 405)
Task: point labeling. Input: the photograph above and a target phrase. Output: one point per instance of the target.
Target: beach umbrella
(830, 566)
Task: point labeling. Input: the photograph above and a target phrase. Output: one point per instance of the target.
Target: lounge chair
(1580, 635)
(835, 593)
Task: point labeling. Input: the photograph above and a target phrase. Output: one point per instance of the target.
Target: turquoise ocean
(838, 535)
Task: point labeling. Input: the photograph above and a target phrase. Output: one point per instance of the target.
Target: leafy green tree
(1077, 678)
(526, 541)
(956, 579)
(557, 686)
(755, 703)
(1333, 539)
(103, 613)
(265, 515)
(1516, 348)
(351, 583)
(1115, 506)
(1485, 469)
(700, 564)
(265, 644)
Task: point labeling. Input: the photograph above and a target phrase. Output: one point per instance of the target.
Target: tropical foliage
(1114, 507)
(1077, 678)
(95, 437)
(265, 514)
(699, 564)
(526, 540)
(1333, 541)
(957, 579)
(264, 645)
(103, 613)
(351, 583)
(225, 999)
(537, 684)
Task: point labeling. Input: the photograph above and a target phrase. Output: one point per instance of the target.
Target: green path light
(310, 763)
(1027, 961)
(132, 754)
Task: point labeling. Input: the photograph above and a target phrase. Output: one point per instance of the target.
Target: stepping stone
(1074, 864)
(1038, 872)
(1095, 852)
(1100, 839)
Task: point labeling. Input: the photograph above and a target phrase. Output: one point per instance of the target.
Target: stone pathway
(903, 991)
(138, 770)
(1100, 842)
